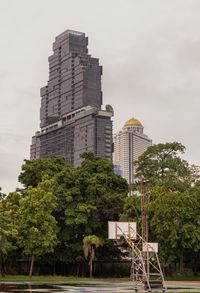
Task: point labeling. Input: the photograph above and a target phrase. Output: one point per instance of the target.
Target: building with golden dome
(129, 144)
(133, 121)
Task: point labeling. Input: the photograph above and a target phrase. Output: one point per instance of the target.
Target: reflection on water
(48, 288)
(86, 287)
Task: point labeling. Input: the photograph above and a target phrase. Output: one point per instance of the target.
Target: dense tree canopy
(174, 193)
(162, 164)
(86, 198)
(60, 206)
(33, 170)
(175, 222)
(4, 233)
(36, 225)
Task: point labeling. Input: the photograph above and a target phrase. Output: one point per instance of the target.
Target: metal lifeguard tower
(146, 269)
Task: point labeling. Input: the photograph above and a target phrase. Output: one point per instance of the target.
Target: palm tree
(89, 243)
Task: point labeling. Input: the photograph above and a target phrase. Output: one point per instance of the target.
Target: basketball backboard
(118, 229)
(150, 247)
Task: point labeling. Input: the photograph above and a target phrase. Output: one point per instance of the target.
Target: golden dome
(133, 121)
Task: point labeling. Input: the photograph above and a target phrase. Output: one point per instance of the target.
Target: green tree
(195, 253)
(101, 187)
(36, 225)
(162, 164)
(173, 210)
(73, 214)
(8, 224)
(175, 224)
(33, 170)
(87, 196)
(132, 209)
(91, 242)
(4, 233)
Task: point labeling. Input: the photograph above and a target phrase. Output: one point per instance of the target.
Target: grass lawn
(183, 278)
(57, 279)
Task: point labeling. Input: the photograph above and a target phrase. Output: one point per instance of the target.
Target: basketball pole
(144, 218)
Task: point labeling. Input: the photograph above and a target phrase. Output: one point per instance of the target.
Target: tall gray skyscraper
(72, 120)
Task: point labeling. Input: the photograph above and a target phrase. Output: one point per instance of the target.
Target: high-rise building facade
(71, 116)
(129, 144)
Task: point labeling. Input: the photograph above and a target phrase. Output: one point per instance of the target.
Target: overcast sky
(150, 52)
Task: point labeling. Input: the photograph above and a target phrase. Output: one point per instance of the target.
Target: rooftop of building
(132, 122)
(72, 32)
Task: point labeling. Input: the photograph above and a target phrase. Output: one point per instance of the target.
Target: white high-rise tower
(129, 144)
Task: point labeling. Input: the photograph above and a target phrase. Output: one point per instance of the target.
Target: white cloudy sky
(150, 51)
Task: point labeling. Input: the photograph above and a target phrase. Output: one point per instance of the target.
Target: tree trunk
(84, 269)
(90, 264)
(170, 270)
(32, 264)
(91, 261)
(54, 267)
(1, 267)
(78, 269)
(181, 265)
(195, 264)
